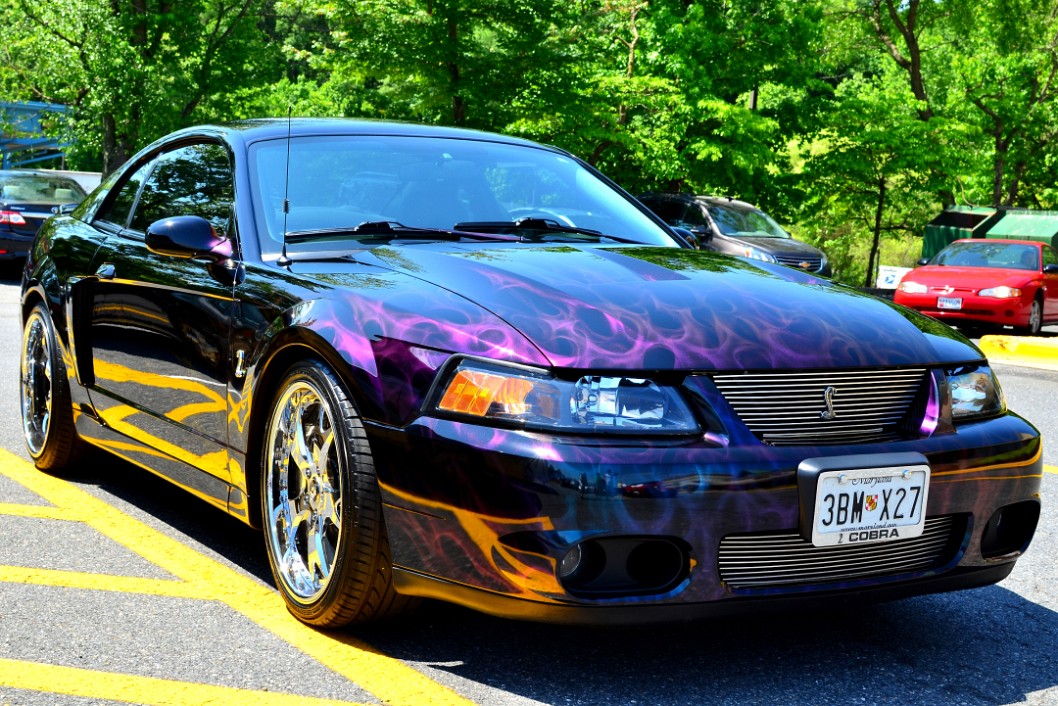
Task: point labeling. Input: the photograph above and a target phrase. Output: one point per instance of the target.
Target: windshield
(989, 254)
(741, 220)
(339, 182)
(40, 189)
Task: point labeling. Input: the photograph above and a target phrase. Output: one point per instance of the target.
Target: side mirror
(704, 233)
(922, 261)
(689, 236)
(187, 237)
(1050, 269)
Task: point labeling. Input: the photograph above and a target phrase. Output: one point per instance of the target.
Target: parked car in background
(27, 199)
(432, 362)
(736, 228)
(986, 282)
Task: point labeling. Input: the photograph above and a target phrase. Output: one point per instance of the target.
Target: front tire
(1035, 319)
(47, 412)
(321, 505)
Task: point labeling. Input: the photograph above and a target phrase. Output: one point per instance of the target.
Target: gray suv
(736, 228)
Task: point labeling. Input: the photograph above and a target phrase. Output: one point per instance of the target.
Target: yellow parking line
(40, 512)
(387, 678)
(72, 681)
(103, 582)
(1050, 469)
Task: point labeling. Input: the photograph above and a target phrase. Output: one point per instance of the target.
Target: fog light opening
(655, 564)
(623, 566)
(1010, 529)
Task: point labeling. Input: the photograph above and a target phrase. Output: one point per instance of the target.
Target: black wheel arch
(290, 346)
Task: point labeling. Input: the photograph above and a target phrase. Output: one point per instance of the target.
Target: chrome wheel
(321, 504)
(1035, 318)
(36, 382)
(47, 413)
(304, 491)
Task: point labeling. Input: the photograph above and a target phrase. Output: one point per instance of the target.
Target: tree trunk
(459, 108)
(998, 171)
(876, 240)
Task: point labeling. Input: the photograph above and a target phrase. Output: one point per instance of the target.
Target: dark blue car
(439, 363)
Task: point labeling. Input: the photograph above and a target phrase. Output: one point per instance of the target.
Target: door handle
(106, 271)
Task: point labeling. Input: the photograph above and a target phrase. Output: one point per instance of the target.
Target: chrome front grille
(814, 261)
(773, 560)
(824, 408)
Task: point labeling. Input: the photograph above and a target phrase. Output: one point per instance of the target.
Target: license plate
(949, 302)
(870, 505)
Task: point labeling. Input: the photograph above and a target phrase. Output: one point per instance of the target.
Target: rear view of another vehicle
(27, 199)
(981, 283)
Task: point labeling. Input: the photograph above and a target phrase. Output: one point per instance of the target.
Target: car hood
(626, 308)
(972, 278)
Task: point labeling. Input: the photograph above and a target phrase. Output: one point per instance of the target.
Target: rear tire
(47, 412)
(321, 505)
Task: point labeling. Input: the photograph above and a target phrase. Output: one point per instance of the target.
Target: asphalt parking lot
(148, 590)
(118, 588)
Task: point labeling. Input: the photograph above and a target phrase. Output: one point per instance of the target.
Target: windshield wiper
(392, 230)
(543, 226)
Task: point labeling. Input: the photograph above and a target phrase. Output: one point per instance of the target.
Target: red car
(986, 282)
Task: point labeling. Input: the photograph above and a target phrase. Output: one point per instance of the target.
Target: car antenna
(283, 260)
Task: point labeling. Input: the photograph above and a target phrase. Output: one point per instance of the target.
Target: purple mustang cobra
(439, 363)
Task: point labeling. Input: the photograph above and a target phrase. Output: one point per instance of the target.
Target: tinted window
(339, 182)
(694, 218)
(733, 219)
(668, 210)
(989, 254)
(40, 188)
(90, 205)
(119, 209)
(1050, 257)
(192, 181)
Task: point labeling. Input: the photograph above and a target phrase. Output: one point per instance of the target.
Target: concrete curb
(1022, 350)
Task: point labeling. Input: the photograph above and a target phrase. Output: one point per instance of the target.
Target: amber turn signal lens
(474, 392)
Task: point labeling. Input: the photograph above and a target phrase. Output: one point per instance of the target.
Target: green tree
(879, 179)
(131, 70)
(991, 65)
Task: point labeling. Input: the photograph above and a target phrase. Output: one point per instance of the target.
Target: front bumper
(484, 517)
(985, 310)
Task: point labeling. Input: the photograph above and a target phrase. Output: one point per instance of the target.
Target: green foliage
(853, 121)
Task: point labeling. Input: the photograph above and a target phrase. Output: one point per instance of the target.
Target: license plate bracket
(949, 302)
(862, 499)
(870, 505)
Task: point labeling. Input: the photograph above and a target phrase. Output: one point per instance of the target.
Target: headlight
(1001, 292)
(908, 287)
(974, 393)
(755, 254)
(536, 399)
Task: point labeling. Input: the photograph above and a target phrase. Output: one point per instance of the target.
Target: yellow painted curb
(1022, 350)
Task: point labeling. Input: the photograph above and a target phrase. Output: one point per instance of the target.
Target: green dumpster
(955, 223)
(1041, 226)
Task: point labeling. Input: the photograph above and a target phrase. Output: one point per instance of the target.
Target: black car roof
(275, 128)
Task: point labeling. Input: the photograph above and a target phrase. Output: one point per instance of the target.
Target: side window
(1050, 257)
(668, 210)
(694, 218)
(191, 181)
(118, 210)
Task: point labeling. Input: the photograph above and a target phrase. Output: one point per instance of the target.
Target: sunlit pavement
(171, 594)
